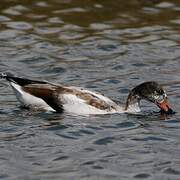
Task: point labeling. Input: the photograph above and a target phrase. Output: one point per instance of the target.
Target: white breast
(133, 108)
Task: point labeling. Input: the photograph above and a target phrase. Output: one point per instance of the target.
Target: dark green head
(150, 91)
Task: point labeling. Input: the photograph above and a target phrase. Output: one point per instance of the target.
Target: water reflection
(107, 46)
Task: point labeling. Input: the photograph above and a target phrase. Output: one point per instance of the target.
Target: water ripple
(104, 47)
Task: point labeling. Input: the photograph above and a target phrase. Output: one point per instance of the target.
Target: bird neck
(132, 103)
(133, 107)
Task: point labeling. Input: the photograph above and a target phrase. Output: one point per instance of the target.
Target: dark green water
(106, 46)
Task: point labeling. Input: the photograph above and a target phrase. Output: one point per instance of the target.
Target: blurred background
(106, 46)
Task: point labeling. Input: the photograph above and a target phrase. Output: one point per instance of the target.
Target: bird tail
(6, 75)
(18, 80)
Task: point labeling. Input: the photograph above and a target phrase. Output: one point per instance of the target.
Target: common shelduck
(59, 98)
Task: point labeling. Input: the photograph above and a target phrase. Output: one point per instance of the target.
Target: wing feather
(46, 92)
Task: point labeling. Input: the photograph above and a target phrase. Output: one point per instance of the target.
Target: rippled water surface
(106, 46)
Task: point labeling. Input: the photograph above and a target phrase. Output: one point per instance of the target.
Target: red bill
(163, 105)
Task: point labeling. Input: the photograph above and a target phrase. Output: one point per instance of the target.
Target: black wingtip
(18, 80)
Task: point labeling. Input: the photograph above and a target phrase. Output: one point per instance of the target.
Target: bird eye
(160, 98)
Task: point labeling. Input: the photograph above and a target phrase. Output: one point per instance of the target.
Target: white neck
(134, 107)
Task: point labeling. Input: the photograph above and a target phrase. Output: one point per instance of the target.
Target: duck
(44, 95)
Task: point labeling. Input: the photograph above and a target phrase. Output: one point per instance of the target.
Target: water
(106, 46)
